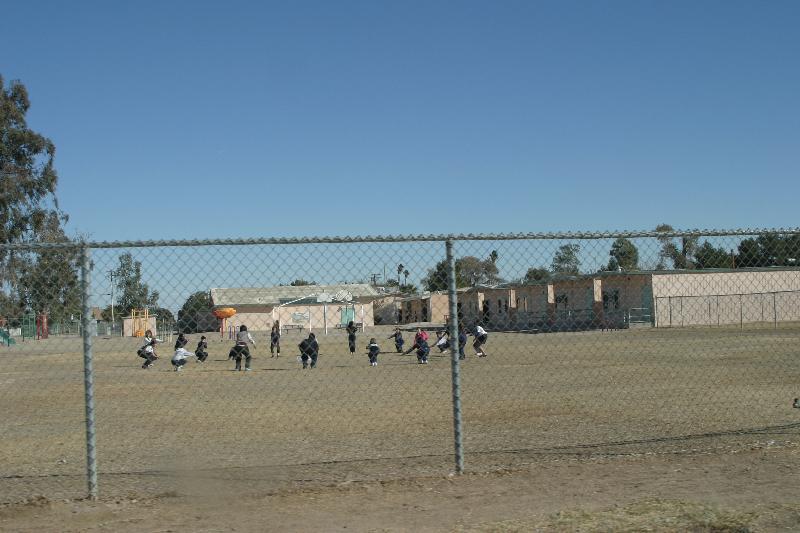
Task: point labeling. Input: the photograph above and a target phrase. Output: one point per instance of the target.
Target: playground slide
(5, 338)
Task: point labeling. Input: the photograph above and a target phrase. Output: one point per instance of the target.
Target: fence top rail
(569, 235)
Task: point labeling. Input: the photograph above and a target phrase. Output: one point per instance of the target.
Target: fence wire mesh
(572, 344)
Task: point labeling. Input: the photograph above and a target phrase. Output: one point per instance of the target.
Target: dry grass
(635, 391)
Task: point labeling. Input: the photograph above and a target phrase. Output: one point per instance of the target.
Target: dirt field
(538, 402)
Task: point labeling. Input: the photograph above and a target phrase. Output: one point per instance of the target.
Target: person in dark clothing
(420, 337)
(351, 336)
(241, 349)
(422, 351)
(181, 341)
(398, 340)
(202, 350)
(275, 339)
(309, 351)
(373, 350)
(462, 342)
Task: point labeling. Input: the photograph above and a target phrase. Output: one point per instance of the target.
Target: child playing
(373, 350)
(148, 349)
(462, 342)
(422, 351)
(480, 339)
(351, 336)
(309, 350)
(181, 341)
(200, 352)
(442, 340)
(398, 340)
(180, 357)
(240, 349)
(275, 339)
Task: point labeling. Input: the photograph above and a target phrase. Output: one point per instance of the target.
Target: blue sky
(237, 119)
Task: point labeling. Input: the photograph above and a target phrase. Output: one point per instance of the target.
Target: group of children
(148, 351)
(309, 347)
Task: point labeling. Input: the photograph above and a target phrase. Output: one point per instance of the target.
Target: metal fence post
(88, 371)
(452, 298)
(741, 312)
(775, 308)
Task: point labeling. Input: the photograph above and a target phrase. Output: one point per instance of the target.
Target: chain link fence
(494, 351)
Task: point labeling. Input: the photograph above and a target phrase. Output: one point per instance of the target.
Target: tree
(400, 269)
(133, 294)
(195, 314)
(163, 314)
(470, 271)
(436, 280)
(408, 288)
(769, 249)
(681, 253)
(536, 275)
(28, 205)
(624, 255)
(708, 256)
(301, 283)
(405, 276)
(566, 261)
(48, 279)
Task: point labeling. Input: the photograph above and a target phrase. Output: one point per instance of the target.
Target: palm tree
(405, 273)
(400, 268)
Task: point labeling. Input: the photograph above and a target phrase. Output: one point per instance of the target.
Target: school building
(308, 307)
(624, 299)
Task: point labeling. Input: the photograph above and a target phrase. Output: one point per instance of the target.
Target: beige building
(703, 298)
(625, 299)
(426, 307)
(310, 307)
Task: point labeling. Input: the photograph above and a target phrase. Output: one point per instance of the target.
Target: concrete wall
(726, 298)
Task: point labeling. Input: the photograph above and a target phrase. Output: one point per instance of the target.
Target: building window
(611, 300)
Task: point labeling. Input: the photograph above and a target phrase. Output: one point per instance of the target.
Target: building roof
(271, 296)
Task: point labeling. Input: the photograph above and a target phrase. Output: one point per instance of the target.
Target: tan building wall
(424, 308)
(725, 298)
(498, 306)
(631, 291)
(386, 310)
(627, 299)
(313, 317)
(574, 294)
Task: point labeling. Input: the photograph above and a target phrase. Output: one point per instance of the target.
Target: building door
(348, 314)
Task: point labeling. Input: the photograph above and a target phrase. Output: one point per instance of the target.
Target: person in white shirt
(241, 349)
(480, 339)
(443, 340)
(148, 349)
(180, 357)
